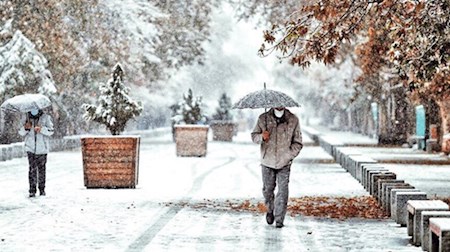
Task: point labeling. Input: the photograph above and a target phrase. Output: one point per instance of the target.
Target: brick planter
(223, 130)
(191, 140)
(110, 161)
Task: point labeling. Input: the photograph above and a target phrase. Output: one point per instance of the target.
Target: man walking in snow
(37, 129)
(278, 132)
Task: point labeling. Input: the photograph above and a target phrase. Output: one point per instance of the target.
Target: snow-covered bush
(189, 110)
(115, 106)
(223, 112)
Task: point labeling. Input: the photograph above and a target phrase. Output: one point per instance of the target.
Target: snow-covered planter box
(222, 125)
(110, 161)
(189, 129)
(191, 140)
(223, 130)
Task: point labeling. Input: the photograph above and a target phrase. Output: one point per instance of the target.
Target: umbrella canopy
(265, 98)
(26, 102)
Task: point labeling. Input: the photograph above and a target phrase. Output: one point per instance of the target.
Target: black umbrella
(265, 98)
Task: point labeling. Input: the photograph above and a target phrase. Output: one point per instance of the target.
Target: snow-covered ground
(73, 218)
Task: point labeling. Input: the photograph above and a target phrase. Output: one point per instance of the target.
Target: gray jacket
(285, 141)
(38, 143)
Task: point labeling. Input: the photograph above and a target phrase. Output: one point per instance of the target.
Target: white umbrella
(26, 102)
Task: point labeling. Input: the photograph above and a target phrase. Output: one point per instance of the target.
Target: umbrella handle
(265, 100)
(265, 117)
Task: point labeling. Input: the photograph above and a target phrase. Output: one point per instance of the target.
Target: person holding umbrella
(278, 133)
(37, 129)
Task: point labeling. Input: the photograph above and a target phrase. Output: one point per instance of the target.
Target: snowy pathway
(73, 218)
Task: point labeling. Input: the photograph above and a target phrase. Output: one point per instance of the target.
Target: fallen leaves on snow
(329, 207)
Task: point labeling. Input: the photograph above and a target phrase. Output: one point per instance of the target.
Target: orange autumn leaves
(326, 207)
(406, 41)
(340, 207)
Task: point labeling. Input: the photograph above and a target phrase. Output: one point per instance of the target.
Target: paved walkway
(72, 218)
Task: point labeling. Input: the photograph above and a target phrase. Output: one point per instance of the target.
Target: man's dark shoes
(42, 193)
(32, 194)
(270, 218)
(279, 225)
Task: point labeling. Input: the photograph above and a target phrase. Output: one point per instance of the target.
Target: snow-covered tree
(88, 36)
(223, 112)
(229, 64)
(410, 37)
(23, 69)
(115, 106)
(185, 27)
(402, 47)
(160, 35)
(189, 110)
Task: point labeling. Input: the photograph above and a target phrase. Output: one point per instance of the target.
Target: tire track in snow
(249, 166)
(147, 236)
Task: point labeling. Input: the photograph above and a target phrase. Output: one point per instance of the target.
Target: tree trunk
(394, 119)
(383, 134)
(354, 121)
(444, 115)
(366, 115)
(343, 119)
(433, 116)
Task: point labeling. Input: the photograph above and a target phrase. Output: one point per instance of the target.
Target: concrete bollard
(4, 152)
(354, 164)
(387, 195)
(342, 153)
(9, 152)
(400, 201)
(382, 183)
(55, 145)
(393, 194)
(71, 143)
(425, 226)
(360, 161)
(379, 176)
(415, 209)
(369, 176)
(18, 150)
(439, 234)
(366, 175)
